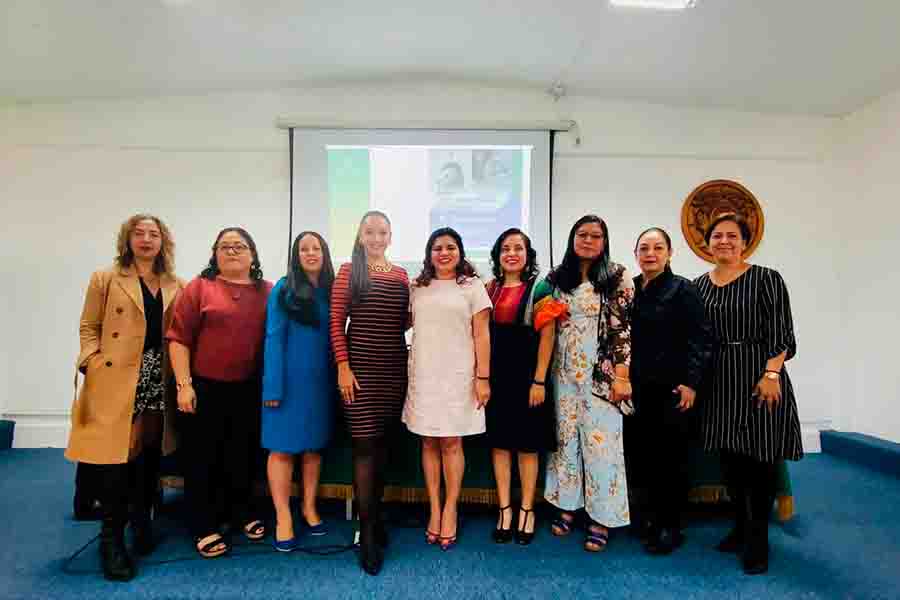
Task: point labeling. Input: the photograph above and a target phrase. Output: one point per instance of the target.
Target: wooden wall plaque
(711, 199)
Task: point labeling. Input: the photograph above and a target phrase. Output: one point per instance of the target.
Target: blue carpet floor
(880, 455)
(844, 543)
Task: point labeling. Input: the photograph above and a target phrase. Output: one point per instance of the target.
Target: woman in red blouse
(216, 342)
(518, 419)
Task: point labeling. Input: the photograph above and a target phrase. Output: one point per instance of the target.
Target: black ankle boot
(117, 565)
(756, 548)
(733, 542)
(664, 541)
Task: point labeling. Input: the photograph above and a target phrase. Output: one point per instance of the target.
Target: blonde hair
(164, 264)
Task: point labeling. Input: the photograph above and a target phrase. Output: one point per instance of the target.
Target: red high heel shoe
(431, 538)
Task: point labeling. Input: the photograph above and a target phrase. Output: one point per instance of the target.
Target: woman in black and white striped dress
(749, 410)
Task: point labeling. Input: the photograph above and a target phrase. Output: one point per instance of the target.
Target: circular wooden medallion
(711, 199)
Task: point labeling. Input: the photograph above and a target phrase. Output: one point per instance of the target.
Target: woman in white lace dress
(449, 369)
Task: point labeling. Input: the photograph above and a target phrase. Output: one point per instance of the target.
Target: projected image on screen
(477, 190)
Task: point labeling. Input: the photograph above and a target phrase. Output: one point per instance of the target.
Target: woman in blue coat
(298, 382)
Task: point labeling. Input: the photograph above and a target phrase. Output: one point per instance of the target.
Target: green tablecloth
(405, 483)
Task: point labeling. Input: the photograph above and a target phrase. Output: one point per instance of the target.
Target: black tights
(369, 460)
(135, 483)
(143, 476)
(751, 484)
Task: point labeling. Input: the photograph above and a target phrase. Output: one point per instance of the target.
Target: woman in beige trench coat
(122, 417)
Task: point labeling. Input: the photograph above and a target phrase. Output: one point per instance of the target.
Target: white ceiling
(800, 56)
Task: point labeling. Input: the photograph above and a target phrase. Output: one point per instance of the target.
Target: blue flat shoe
(319, 528)
(288, 545)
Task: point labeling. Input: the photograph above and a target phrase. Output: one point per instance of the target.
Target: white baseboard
(40, 430)
(51, 430)
(810, 434)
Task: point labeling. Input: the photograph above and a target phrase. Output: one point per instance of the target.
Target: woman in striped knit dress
(749, 410)
(371, 359)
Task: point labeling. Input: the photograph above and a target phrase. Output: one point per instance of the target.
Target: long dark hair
(464, 268)
(359, 265)
(211, 270)
(603, 273)
(531, 267)
(298, 296)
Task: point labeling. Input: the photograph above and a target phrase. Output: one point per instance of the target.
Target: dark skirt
(511, 423)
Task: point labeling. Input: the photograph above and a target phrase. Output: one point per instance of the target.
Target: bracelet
(771, 371)
(483, 378)
(536, 382)
(180, 384)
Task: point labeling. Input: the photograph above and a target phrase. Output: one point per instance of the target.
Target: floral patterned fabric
(150, 386)
(588, 469)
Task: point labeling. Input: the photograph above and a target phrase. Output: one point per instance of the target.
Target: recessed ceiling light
(654, 4)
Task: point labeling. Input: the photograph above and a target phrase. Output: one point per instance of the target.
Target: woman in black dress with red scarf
(749, 411)
(518, 419)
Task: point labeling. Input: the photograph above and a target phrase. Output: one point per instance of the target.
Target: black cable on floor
(251, 548)
(248, 550)
(66, 565)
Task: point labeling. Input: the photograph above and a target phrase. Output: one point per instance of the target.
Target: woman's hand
(687, 396)
(536, 395)
(768, 392)
(187, 399)
(482, 392)
(347, 383)
(621, 391)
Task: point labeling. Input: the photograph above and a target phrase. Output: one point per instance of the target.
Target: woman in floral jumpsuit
(590, 298)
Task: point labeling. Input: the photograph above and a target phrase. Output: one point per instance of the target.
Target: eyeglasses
(236, 248)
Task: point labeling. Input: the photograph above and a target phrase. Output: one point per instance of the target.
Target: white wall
(868, 237)
(76, 170)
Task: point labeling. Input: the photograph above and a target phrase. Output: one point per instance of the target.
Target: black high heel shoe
(523, 538)
(500, 535)
(371, 556)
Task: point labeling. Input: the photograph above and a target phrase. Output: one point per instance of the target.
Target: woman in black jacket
(670, 350)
